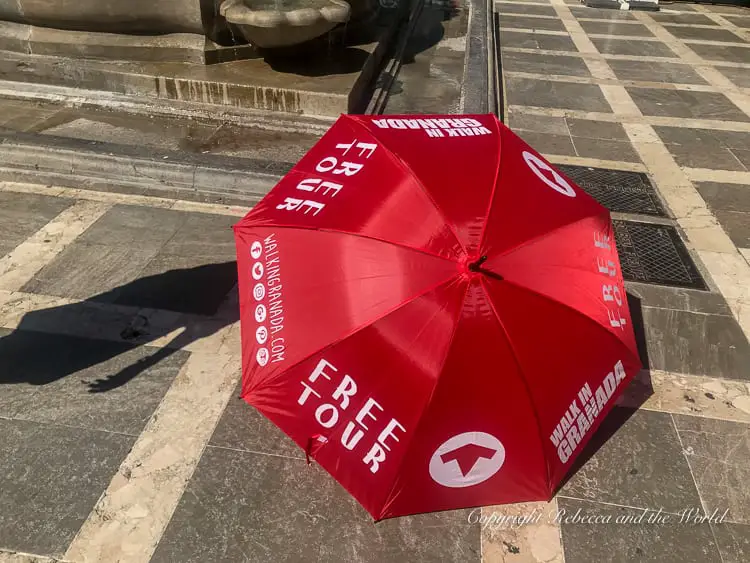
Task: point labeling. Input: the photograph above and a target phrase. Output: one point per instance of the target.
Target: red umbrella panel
(433, 313)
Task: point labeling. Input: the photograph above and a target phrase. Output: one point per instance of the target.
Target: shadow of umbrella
(41, 351)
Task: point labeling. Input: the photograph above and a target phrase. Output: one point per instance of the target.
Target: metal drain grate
(617, 190)
(655, 254)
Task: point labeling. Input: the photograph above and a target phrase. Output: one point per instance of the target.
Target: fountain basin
(281, 23)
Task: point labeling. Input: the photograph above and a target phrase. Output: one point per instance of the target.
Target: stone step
(93, 165)
(111, 143)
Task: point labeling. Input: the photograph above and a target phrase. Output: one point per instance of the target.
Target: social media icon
(259, 291)
(256, 249)
(261, 335)
(262, 356)
(467, 459)
(260, 313)
(257, 271)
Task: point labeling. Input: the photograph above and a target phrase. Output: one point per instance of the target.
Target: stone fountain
(169, 29)
(224, 52)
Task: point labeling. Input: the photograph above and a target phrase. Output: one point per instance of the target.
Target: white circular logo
(467, 459)
(557, 182)
(256, 250)
(262, 357)
(257, 271)
(259, 291)
(261, 334)
(260, 313)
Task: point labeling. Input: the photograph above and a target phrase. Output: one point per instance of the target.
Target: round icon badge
(259, 291)
(262, 357)
(257, 271)
(256, 249)
(467, 459)
(260, 313)
(557, 182)
(261, 335)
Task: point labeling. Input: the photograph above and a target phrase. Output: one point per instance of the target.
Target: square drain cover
(617, 190)
(655, 254)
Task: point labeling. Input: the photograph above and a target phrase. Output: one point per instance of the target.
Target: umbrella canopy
(433, 313)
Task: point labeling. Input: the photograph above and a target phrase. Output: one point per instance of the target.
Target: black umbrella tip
(475, 266)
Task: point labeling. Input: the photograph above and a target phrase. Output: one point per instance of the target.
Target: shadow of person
(637, 392)
(56, 342)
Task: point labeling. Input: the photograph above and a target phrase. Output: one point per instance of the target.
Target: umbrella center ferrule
(476, 265)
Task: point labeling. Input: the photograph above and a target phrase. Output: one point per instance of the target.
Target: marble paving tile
(85, 271)
(649, 71)
(743, 22)
(736, 225)
(703, 33)
(635, 459)
(619, 537)
(743, 156)
(204, 235)
(252, 507)
(50, 479)
(549, 144)
(564, 95)
(719, 454)
(242, 427)
(605, 149)
(725, 9)
(525, 532)
(83, 383)
(611, 46)
(699, 344)
(733, 541)
(544, 65)
(693, 19)
(528, 9)
(600, 14)
(524, 22)
(696, 155)
(733, 139)
(681, 299)
(724, 53)
(21, 215)
(683, 103)
(185, 284)
(703, 148)
(615, 28)
(131, 225)
(604, 130)
(524, 40)
(688, 394)
(538, 123)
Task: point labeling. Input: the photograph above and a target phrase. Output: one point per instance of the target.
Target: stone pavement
(666, 94)
(124, 439)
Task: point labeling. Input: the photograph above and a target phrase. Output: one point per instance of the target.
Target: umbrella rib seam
(522, 377)
(388, 499)
(348, 233)
(405, 166)
(572, 309)
(494, 186)
(357, 330)
(546, 234)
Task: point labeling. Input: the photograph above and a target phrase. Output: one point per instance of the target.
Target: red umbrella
(433, 313)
